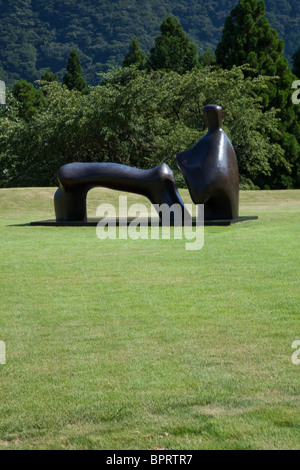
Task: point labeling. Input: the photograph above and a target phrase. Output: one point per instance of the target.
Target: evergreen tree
(48, 76)
(249, 39)
(3, 75)
(29, 98)
(74, 79)
(296, 63)
(135, 55)
(173, 50)
(208, 58)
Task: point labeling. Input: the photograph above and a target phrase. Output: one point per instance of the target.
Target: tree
(296, 63)
(139, 119)
(3, 75)
(37, 34)
(248, 38)
(29, 98)
(49, 76)
(135, 56)
(74, 79)
(208, 58)
(173, 50)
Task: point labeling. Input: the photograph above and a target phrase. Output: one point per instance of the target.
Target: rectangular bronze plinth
(146, 221)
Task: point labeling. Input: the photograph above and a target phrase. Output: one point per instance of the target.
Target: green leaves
(173, 50)
(249, 39)
(36, 34)
(140, 119)
(74, 79)
(29, 98)
(296, 63)
(135, 56)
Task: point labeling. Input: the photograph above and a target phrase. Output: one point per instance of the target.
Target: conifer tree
(74, 79)
(249, 39)
(135, 55)
(49, 76)
(208, 58)
(173, 50)
(296, 63)
(29, 98)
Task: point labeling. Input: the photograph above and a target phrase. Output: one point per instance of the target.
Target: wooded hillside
(36, 34)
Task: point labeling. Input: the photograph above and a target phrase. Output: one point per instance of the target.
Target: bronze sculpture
(76, 179)
(210, 170)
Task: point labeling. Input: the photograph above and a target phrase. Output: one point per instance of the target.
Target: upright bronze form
(211, 171)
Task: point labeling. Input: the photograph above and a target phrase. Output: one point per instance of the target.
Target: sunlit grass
(123, 344)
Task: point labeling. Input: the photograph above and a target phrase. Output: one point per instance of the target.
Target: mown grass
(123, 344)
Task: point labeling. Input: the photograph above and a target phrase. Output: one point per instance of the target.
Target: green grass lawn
(123, 344)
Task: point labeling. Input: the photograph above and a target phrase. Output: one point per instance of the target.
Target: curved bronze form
(76, 179)
(210, 170)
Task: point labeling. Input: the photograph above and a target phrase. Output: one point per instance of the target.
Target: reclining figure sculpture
(209, 168)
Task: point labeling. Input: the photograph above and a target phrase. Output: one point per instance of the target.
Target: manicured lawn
(123, 344)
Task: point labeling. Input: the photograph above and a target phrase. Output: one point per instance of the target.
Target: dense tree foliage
(135, 55)
(296, 63)
(139, 119)
(74, 79)
(147, 111)
(36, 34)
(249, 39)
(49, 76)
(208, 58)
(173, 50)
(29, 99)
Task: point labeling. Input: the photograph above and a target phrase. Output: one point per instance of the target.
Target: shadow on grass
(19, 225)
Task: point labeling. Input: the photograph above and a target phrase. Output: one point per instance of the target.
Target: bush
(139, 119)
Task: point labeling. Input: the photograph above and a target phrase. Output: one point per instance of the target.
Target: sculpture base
(146, 221)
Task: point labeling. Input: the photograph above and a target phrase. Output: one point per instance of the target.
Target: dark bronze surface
(76, 179)
(146, 221)
(211, 171)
